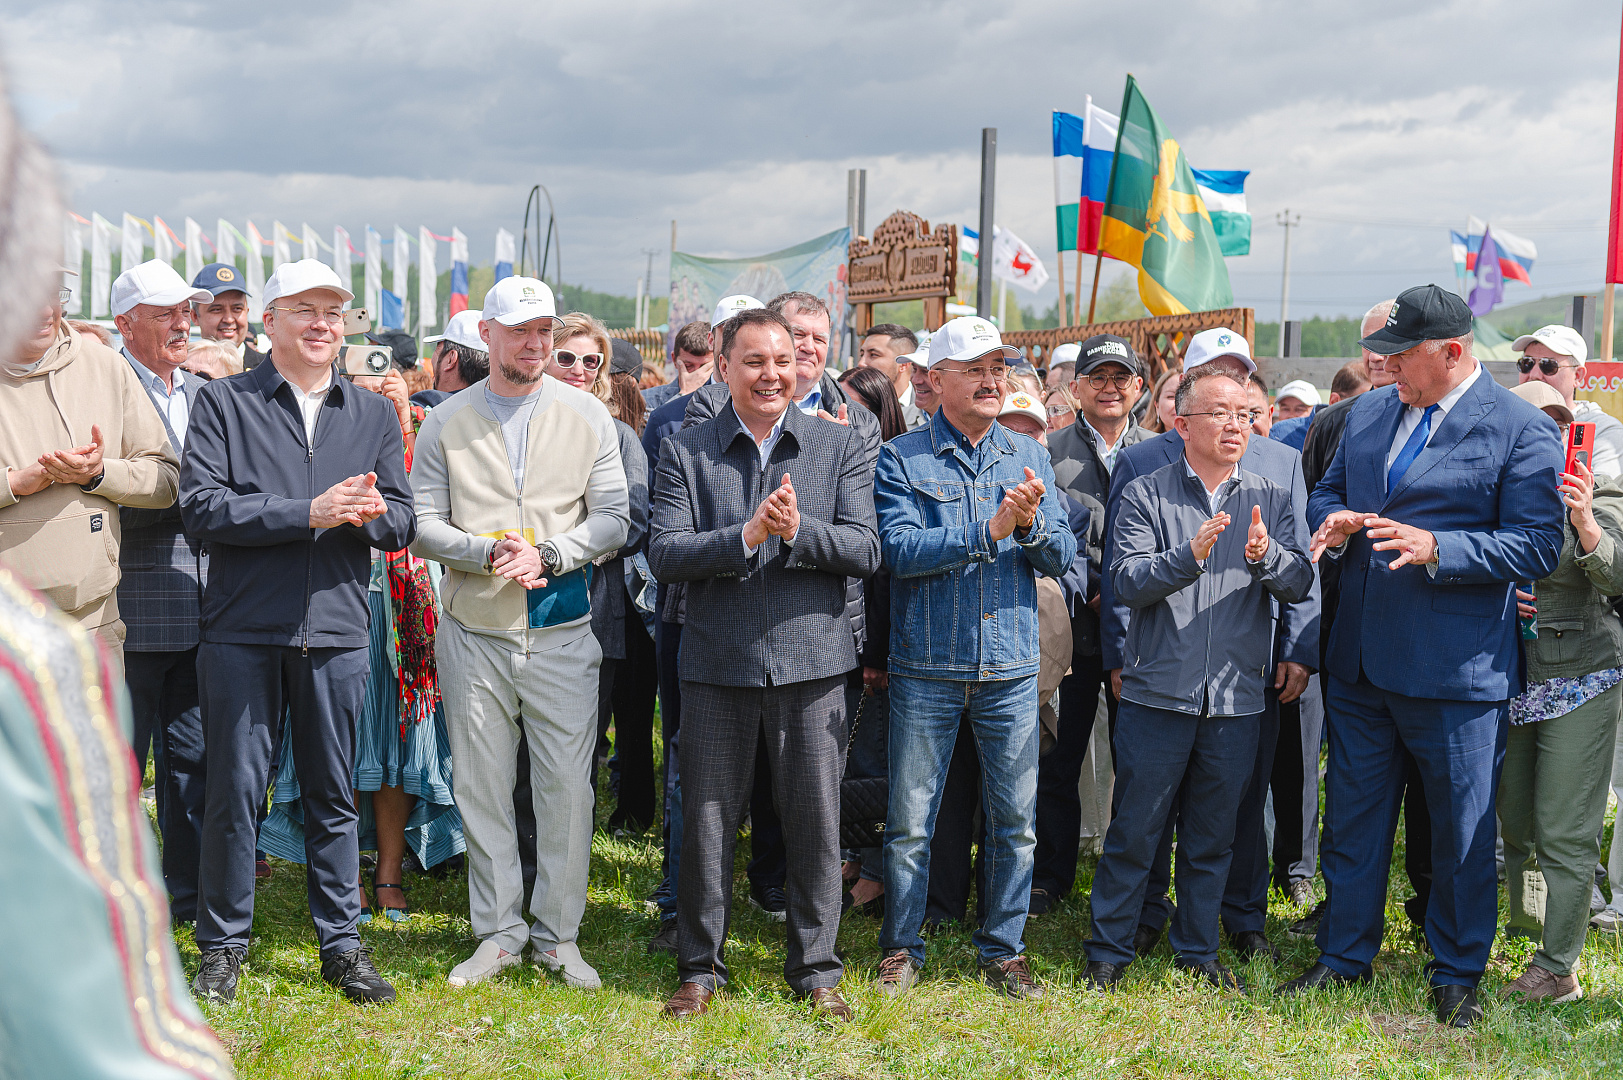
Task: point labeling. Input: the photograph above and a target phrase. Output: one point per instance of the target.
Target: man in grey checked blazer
(764, 511)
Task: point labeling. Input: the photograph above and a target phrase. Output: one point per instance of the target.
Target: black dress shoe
(1254, 945)
(217, 979)
(1308, 925)
(353, 973)
(1145, 938)
(1102, 975)
(1456, 1005)
(665, 940)
(1319, 975)
(1216, 974)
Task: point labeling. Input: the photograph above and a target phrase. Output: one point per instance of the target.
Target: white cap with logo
(290, 279)
(968, 337)
(1301, 390)
(513, 301)
(919, 357)
(1209, 345)
(153, 282)
(462, 329)
(1561, 340)
(1067, 353)
(729, 306)
(1022, 402)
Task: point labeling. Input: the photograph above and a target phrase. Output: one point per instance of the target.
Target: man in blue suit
(1442, 494)
(1245, 896)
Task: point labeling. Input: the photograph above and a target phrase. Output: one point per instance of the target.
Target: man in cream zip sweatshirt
(519, 487)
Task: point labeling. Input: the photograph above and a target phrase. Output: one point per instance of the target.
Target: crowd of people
(350, 617)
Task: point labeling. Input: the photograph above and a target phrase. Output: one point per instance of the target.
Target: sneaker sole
(775, 916)
(460, 981)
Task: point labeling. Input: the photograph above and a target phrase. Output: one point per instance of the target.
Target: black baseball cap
(1106, 349)
(627, 359)
(400, 344)
(220, 277)
(1423, 313)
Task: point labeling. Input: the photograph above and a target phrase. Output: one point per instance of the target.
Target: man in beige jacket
(78, 439)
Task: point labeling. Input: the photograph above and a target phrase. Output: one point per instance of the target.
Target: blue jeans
(924, 720)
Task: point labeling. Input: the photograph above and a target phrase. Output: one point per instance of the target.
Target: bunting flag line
(374, 275)
(164, 241)
(101, 266)
(459, 271)
(506, 252)
(427, 280)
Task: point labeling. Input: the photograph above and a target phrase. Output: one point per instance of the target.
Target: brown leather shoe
(827, 1000)
(690, 1000)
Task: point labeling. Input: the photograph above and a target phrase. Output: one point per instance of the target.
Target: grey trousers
(489, 688)
(243, 689)
(804, 727)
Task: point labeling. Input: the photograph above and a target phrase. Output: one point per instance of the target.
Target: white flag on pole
(225, 242)
(427, 279)
(101, 266)
(163, 246)
(1015, 262)
(340, 255)
(281, 250)
(132, 254)
(402, 264)
(374, 275)
(73, 258)
(255, 274)
(194, 250)
(311, 243)
(506, 254)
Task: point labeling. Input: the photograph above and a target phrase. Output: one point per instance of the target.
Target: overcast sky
(739, 120)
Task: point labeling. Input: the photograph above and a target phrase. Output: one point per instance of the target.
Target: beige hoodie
(64, 540)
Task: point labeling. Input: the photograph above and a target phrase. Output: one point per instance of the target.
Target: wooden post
(1064, 303)
(1076, 302)
(1606, 324)
(1093, 300)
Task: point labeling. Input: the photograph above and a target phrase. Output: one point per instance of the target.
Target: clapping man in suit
(764, 512)
(1444, 492)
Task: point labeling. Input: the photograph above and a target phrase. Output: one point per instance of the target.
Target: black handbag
(864, 800)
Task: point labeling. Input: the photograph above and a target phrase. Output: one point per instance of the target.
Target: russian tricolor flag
(1083, 148)
(459, 271)
(1516, 254)
(505, 252)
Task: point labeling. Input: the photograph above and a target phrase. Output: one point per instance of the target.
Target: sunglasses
(1545, 365)
(590, 361)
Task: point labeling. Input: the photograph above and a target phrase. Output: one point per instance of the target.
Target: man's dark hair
(1257, 380)
(894, 331)
(803, 301)
(694, 338)
(1349, 380)
(751, 317)
(1195, 375)
(472, 365)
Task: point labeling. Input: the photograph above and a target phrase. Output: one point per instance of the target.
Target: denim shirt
(964, 606)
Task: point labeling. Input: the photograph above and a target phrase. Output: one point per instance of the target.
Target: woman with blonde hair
(580, 355)
(1163, 402)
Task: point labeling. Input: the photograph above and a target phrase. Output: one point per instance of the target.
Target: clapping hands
(1019, 507)
(778, 515)
(349, 502)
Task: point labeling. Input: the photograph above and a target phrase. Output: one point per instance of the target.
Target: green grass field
(287, 1023)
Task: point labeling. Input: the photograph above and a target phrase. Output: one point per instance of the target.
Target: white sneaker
(566, 960)
(1609, 919)
(487, 960)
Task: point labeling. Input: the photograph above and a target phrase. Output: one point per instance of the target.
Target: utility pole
(983, 260)
(1284, 218)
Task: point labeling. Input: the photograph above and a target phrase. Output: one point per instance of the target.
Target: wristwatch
(549, 556)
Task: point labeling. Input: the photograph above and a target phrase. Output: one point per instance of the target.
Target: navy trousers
(1059, 803)
(1202, 764)
(1458, 749)
(244, 689)
(163, 700)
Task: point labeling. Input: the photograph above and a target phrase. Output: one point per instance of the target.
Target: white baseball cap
(1561, 340)
(462, 329)
(1209, 345)
(1022, 402)
(513, 301)
(969, 337)
(153, 282)
(1067, 353)
(730, 306)
(290, 279)
(1301, 390)
(919, 357)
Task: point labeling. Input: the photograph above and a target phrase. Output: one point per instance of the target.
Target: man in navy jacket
(292, 475)
(1442, 494)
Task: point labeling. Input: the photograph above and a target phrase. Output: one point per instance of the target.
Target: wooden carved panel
(904, 260)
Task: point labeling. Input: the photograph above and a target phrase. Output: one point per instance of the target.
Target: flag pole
(1064, 301)
(1076, 310)
(1098, 260)
(1606, 324)
(1614, 250)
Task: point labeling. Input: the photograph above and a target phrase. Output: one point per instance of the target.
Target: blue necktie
(1411, 449)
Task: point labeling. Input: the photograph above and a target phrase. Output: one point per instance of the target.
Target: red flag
(1614, 250)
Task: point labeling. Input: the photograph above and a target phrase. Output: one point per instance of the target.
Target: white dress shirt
(310, 405)
(1412, 415)
(764, 448)
(170, 402)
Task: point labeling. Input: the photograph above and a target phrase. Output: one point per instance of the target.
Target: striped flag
(506, 252)
(459, 271)
(1516, 254)
(1083, 148)
(1223, 192)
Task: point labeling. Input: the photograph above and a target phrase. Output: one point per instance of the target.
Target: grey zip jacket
(1201, 637)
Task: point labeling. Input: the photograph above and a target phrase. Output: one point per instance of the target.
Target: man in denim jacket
(967, 516)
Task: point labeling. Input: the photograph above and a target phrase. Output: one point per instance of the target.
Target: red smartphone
(1580, 437)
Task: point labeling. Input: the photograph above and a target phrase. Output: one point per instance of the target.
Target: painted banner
(816, 266)
(1603, 384)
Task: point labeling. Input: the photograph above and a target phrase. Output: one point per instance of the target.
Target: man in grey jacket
(1198, 651)
(764, 511)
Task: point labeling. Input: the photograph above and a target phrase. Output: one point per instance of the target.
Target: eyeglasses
(1223, 418)
(590, 361)
(64, 297)
(1119, 380)
(312, 316)
(1059, 410)
(1545, 365)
